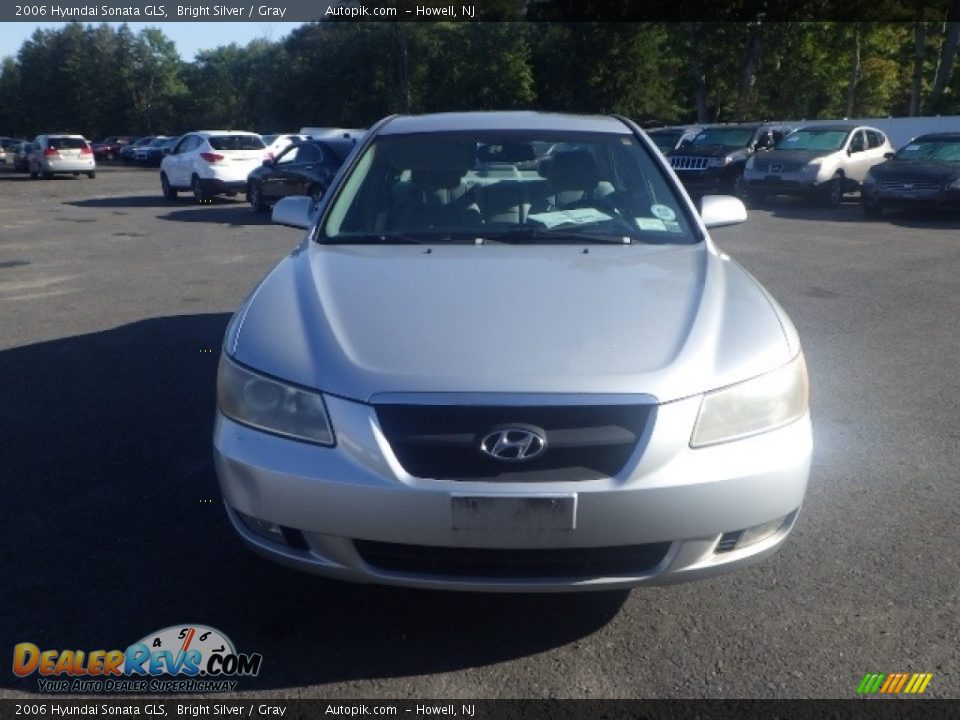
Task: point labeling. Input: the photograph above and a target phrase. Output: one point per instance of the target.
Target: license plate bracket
(536, 513)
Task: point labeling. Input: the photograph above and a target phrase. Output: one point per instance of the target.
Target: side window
(857, 143)
(289, 155)
(181, 146)
(309, 154)
(874, 139)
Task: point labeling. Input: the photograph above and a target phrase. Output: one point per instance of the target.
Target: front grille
(917, 185)
(686, 162)
(773, 166)
(582, 442)
(491, 563)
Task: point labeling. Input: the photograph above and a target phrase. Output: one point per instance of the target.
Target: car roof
(505, 120)
(214, 133)
(955, 136)
(837, 127)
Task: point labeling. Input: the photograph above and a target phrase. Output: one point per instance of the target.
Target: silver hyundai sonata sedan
(507, 356)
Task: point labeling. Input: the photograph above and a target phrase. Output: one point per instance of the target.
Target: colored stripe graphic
(894, 683)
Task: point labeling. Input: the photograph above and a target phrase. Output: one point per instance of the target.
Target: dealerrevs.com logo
(180, 658)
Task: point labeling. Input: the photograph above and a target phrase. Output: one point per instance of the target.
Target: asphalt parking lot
(113, 302)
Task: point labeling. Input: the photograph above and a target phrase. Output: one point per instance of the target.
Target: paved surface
(112, 306)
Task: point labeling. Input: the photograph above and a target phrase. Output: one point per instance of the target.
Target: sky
(189, 37)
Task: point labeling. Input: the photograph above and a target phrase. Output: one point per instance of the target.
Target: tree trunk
(404, 68)
(854, 75)
(748, 72)
(919, 43)
(696, 71)
(948, 56)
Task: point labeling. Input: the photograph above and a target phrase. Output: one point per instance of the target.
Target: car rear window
(68, 143)
(236, 142)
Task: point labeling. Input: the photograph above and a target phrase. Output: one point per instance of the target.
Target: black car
(305, 168)
(713, 161)
(924, 173)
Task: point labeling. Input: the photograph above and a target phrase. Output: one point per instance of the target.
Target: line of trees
(106, 79)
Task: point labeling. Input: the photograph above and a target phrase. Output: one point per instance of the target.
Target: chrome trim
(468, 398)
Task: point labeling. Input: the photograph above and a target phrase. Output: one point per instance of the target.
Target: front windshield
(946, 150)
(507, 186)
(730, 137)
(828, 140)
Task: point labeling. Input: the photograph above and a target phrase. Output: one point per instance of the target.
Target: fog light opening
(739, 539)
(273, 532)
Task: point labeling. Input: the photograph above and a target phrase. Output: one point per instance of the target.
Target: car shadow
(223, 212)
(849, 211)
(126, 201)
(114, 529)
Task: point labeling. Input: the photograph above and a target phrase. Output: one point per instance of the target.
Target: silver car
(61, 154)
(473, 376)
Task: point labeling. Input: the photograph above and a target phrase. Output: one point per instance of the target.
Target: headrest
(430, 180)
(573, 170)
(443, 155)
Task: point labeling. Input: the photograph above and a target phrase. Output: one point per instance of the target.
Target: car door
(298, 175)
(274, 182)
(858, 156)
(178, 159)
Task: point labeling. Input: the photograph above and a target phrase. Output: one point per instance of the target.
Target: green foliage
(105, 79)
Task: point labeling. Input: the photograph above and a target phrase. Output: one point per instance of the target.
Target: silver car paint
(698, 320)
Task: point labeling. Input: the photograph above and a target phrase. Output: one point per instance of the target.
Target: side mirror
(888, 155)
(294, 212)
(720, 210)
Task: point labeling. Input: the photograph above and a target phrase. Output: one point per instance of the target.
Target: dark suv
(713, 161)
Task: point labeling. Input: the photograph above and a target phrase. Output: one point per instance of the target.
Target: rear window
(68, 143)
(236, 142)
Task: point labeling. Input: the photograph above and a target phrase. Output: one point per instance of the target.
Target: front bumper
(778, 185)
(331, 498)
(907, 198)
(216, 186)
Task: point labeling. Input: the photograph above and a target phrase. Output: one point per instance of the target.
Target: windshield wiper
(567, 232)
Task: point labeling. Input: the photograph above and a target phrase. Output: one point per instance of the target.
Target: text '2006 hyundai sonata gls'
(508, 356)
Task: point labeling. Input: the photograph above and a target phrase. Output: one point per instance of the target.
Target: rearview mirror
(293, 212)
(720, 210)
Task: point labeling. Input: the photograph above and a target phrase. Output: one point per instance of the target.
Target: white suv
(66, 154)
(211, 162)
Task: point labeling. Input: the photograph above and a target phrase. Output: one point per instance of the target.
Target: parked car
(713, 161)
(109, 148)
(211, 162)
(128, 152)
(325, 133)
(276, 144)
(821, 161)
(8, 146)
(61, 154)
(21, 156)
(147, 153)
(157, 150)
(475, 377)
(924, 173)
(674, 136)
(305, 168)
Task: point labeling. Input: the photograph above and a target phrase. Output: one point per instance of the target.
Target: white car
(825, 161)
(211, 162)
(276, 144)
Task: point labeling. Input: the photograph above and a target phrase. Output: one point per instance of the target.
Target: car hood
(708, 150)
(355, 321)
(795, 156)
(916, 170)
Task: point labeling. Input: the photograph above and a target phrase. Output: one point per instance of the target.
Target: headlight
(271, 405)
(753, 406)
(955, 184)
(720, 161)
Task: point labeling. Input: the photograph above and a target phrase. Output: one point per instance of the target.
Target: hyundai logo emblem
(514, 444)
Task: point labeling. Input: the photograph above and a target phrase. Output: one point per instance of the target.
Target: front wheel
(834, 192)
(255, 197)
(168, 192)
(92, 174)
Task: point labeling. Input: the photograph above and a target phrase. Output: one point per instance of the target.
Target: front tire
(834, 192)
(168, 191)
(255, 197)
